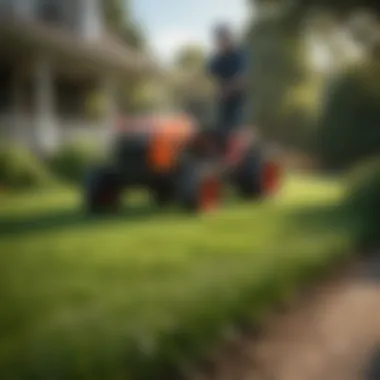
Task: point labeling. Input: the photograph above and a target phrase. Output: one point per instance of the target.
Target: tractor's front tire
(248, 179)
(102, 190)
(188, 188)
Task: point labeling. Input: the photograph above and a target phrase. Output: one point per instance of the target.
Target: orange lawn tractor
(181, 164)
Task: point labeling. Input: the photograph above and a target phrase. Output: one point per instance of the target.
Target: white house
(53, 53)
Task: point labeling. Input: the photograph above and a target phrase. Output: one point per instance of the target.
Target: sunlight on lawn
(93, 287)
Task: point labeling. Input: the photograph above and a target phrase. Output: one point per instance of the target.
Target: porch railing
(21, 129)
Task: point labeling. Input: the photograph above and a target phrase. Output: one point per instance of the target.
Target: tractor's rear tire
(102, 190)
(188, 188)
(248, 180)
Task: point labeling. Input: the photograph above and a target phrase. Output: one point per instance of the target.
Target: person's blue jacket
(224, 68)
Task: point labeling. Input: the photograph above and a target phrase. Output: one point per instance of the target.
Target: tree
(192, 88)
(120, 22)
(348, 130)
(339, 7)
(360, 17)
(278, 66)
(191, 58)
(281, 76)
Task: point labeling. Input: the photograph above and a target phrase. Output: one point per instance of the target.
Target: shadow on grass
(308, 217)
(364, 234)
(315, 216)
(70, 218)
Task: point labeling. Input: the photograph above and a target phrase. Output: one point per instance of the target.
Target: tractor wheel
(199, 188)
(102, 190)
(248, 180)
(163, 192)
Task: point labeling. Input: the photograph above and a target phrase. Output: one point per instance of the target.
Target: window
(6, 7)
(50, 11)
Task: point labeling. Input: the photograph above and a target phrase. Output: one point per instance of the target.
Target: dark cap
(223, 31)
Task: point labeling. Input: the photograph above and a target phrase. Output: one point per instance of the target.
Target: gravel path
(333, 333)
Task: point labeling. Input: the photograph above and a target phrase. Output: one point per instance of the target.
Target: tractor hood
(179, 126)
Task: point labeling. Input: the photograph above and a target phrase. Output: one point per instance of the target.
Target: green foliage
(71, 161)
(120, 21)
(338, 7)
(191, 58)
(348, 130)
(192, 88)
(20, 169)
(364, 190)
(363, 200)
(342, 6)
(278, 81)
(147, 96)
(96, 104)
(276, 44)
(114, 13)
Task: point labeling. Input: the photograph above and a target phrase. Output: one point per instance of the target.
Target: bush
(363, 196)
(364, 188)
(71, 160)
(20, 169)
(348, 131)
(96, 106)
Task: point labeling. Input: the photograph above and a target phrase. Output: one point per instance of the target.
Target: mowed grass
(141, 294)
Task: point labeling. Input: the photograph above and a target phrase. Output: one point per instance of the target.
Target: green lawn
(137, 295)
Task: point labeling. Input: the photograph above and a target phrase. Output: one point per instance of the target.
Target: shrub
(71, 160)
(20, 169)
(348, 130)
(363, 196)
(96, 106)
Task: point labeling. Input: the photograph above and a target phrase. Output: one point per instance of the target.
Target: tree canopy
(191, 57)
(288, 98)
(119, 20)
(193, 89)
(339, 7)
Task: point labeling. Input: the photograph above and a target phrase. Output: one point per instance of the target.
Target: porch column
(92, 19)
(111, 112)
(45, 123)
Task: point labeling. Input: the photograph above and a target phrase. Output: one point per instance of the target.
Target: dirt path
(331, 334)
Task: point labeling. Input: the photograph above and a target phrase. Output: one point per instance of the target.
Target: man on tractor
(175, 161)
(228, 67)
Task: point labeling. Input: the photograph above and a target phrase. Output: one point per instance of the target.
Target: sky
(170, 24)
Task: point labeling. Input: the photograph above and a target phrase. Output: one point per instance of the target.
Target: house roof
(107, 52)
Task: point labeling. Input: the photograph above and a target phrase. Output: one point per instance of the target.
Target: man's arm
(238, 83)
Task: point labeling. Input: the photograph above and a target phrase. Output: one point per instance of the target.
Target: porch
(50, 80)
(44, 104)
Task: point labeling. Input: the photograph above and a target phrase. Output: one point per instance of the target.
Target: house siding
(92, 23)
(83, 17)
(6, 7)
